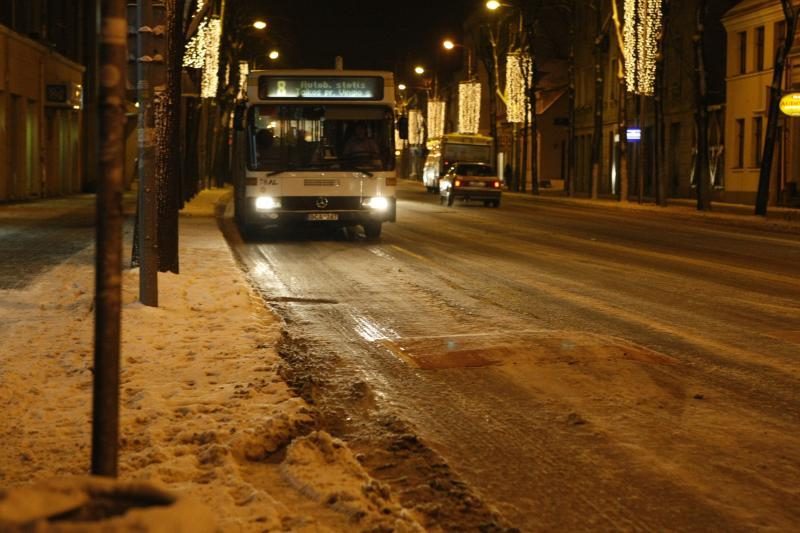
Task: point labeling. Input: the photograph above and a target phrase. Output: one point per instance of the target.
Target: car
(470, 182)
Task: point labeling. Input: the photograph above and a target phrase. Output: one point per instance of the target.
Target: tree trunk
(762, 198)
(658, 114)
(168, 165)
(622, 112)
(147, 219)
(571, 93)
(701, 114)
(597, 134)
(108, 275)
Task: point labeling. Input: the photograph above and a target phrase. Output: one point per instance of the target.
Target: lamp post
(447, 44)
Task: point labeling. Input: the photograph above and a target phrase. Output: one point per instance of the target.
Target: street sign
(790, 104)
(634, 134)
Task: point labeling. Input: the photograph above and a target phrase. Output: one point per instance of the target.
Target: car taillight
(457, 183)
(496, 184)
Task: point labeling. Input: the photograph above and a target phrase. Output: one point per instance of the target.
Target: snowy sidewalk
(204, 411)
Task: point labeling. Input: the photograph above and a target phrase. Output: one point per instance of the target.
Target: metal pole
(108, 272)
(148, 198)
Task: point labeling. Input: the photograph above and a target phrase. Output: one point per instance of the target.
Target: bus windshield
(311, 137)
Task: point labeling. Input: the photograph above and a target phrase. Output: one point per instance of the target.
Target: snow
(204, 412)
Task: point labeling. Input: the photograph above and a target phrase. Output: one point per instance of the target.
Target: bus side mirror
(238, 117)
(402, 127)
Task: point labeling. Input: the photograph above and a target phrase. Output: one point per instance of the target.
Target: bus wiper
(280, 171)
(366, 172)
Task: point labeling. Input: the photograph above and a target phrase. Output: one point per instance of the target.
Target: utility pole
(108, 270)
(148, 194)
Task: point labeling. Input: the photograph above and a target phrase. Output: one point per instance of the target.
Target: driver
(360, 146)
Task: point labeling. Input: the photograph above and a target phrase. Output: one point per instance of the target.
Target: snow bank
(203, 411)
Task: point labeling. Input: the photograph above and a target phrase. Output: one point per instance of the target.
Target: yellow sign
(790, 104)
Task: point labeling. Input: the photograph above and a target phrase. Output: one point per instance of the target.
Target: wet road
(575, 367)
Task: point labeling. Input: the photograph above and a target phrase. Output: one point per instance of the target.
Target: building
(755, 30)
(46, 141)
(595, 39)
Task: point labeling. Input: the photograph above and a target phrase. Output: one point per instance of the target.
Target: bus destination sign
(320, 88)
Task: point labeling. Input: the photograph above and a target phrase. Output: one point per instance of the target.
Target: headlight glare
(378, 203)
(267, 202)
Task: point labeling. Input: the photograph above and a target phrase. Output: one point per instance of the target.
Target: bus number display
(320, 88)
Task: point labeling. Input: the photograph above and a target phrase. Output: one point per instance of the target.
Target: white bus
(454, 148)
(316, 147)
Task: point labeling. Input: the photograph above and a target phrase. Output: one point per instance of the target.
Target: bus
(316, 147)
(453, 148)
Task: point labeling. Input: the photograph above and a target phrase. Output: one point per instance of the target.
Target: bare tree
(622, 115)
(791, 15)
(701, 111)
(168, 164)
(658, 107)
(600, 38)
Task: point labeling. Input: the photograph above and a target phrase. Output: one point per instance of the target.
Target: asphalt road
(553, 366)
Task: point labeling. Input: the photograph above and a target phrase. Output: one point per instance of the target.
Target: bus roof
(467, 138)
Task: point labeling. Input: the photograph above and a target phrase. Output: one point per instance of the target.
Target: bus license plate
(323, 216)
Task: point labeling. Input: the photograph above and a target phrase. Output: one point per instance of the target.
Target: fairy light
(244, 70)
(640, 39)
(517, 66)
(416, 127)
(436, 110)
(469, 106)
(208, 87)
(194, 53)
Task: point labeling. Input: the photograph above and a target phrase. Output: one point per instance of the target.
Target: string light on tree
(517, 65)
(244, 70)
(194, 53)
(469, 106)
(416, 127)
(640, 37)
(436, 110)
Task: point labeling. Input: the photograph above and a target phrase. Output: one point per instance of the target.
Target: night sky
(367, 34)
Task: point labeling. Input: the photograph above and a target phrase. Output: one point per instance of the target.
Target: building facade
(41, 95)
(47, 144)
(755, 30)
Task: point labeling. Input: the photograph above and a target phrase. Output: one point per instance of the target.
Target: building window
(742, 52)
(759, 48)
(757, 141)
(739, 142)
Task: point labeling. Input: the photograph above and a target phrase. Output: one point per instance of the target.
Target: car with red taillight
(470, 181)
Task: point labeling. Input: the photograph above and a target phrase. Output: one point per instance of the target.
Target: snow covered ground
(204, 412)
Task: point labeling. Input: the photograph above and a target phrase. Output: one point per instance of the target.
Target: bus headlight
(378, 203)
(266, 203)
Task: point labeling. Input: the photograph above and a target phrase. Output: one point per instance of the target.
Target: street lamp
(274, 54)
(260, 25)
(492, 5)
(401, 86)
(447, 44)
(419, 70)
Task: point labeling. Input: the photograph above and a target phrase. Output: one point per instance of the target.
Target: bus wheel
(372, 230)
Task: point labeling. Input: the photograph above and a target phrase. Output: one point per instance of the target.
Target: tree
(701, 111)
(108, 278)
(790, 14)
(622, 113)
(658, 108)
(168, 164)
(600, 41)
